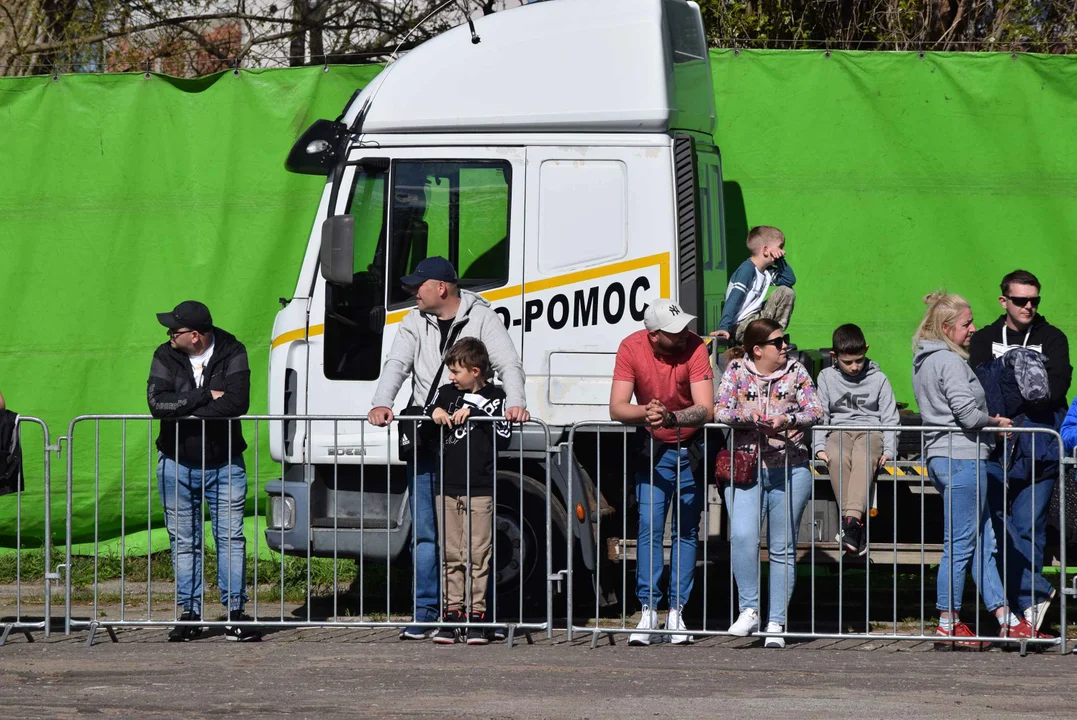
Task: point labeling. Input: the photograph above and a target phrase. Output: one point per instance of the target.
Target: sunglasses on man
(176, 333)
(1022, 301)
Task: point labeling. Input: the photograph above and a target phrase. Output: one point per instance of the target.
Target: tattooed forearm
(691, 417)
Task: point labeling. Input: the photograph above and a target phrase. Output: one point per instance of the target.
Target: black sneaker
(186, 633)
(478, 635)
(851, 536)
(241, 633)
(448, 635)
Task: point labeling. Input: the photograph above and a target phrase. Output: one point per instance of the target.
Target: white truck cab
(565, 164)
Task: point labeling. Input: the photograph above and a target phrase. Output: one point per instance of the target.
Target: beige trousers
(453, 518)
(852, 468)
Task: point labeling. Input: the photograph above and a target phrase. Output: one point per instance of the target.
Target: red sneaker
(961, 630)
(1022, 630)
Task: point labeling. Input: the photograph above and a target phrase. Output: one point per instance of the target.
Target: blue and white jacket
(747, 290)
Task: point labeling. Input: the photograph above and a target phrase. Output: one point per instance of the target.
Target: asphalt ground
(321, 673)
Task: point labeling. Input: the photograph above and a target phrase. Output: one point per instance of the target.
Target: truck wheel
(521, 546)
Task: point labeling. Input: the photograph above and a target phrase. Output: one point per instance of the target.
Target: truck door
(465, 204)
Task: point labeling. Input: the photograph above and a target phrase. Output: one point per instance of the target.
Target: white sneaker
(746, 624)
(674, 621)
(649, 621)
(776, 641)
(1035, 613)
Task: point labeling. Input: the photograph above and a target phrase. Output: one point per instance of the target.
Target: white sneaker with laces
(775, 641)
(1035, 613)
(649, 621)
(674, 621)
(746, 624)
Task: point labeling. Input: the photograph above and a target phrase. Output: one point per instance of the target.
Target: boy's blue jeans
(182, 489)
(963, 487)
(1026, 523)
(657, 492)
(782, 503)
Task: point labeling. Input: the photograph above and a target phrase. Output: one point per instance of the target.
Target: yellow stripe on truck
(661, 259)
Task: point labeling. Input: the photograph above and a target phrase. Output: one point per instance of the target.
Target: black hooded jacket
(1041, 336)
(172, 395)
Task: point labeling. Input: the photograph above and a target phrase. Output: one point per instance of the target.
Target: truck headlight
(280, 513)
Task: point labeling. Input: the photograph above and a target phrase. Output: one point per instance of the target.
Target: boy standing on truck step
(202, 373)
(854, 391)
(443, 313)
(746, 295)
(465, 507)
(667, 368)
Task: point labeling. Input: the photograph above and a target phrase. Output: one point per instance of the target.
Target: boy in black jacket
(468, 450)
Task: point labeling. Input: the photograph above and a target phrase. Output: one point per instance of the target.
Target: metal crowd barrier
(25, 549)
(346, 464)
(838, 596)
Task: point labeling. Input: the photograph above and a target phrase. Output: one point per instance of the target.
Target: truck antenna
(419, 24)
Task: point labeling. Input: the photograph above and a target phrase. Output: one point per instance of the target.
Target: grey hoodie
(948, 393)
(416, 352)
(866, 399)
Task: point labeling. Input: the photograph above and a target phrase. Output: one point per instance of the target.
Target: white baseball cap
(665, 315)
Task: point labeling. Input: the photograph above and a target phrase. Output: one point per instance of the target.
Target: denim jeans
(957, 483)
(782, 503)
(657, 493)
(1023, 570)
(422, 492)
(182, 489)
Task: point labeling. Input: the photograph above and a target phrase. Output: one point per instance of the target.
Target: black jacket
(172, 395)
(488, 402)
(1041, 335)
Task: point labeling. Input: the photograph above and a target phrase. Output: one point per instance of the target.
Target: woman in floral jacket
(766, 389)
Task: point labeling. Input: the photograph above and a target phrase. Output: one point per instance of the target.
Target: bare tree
(192, 37)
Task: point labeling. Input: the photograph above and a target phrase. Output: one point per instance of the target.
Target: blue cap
(432, 268)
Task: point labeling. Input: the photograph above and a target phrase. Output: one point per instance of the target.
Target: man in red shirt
(667, 368)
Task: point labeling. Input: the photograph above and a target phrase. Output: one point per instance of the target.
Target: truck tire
(520, 547)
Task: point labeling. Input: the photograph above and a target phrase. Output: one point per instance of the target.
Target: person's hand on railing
(999, 421)
(657, 414)
(380, 416)
(441, 417)
(821, 455)
(517, 414)
(460, 416)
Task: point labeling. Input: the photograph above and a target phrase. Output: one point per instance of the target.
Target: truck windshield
(456, 209)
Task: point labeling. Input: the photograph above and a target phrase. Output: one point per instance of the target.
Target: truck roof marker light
(579, 512)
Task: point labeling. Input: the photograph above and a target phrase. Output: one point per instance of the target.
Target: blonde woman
(949, 394)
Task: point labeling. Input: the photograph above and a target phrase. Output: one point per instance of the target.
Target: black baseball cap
(432, 268)
(189, 314)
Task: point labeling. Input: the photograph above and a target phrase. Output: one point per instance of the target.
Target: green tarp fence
(120, 195)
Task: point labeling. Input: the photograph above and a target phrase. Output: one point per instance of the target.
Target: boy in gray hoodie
(854, 391)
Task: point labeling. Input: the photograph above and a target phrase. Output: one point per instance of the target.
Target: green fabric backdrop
(891, 175)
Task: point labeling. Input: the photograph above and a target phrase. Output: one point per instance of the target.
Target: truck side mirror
(338, 249)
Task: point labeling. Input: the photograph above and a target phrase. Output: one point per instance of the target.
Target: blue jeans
(669, 485)
(957, 483)
(182, 489)
(781, 502)
(1024, 549)
(422, 491)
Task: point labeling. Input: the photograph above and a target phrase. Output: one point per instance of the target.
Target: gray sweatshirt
(416, 352)
(865, 399)
(948, 393)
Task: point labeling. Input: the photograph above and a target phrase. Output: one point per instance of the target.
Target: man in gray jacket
(443, 314)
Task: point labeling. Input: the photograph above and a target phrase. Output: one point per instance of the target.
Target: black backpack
(10, 454)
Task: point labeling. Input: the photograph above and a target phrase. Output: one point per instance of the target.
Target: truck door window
(456, 209)
(355, 316)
